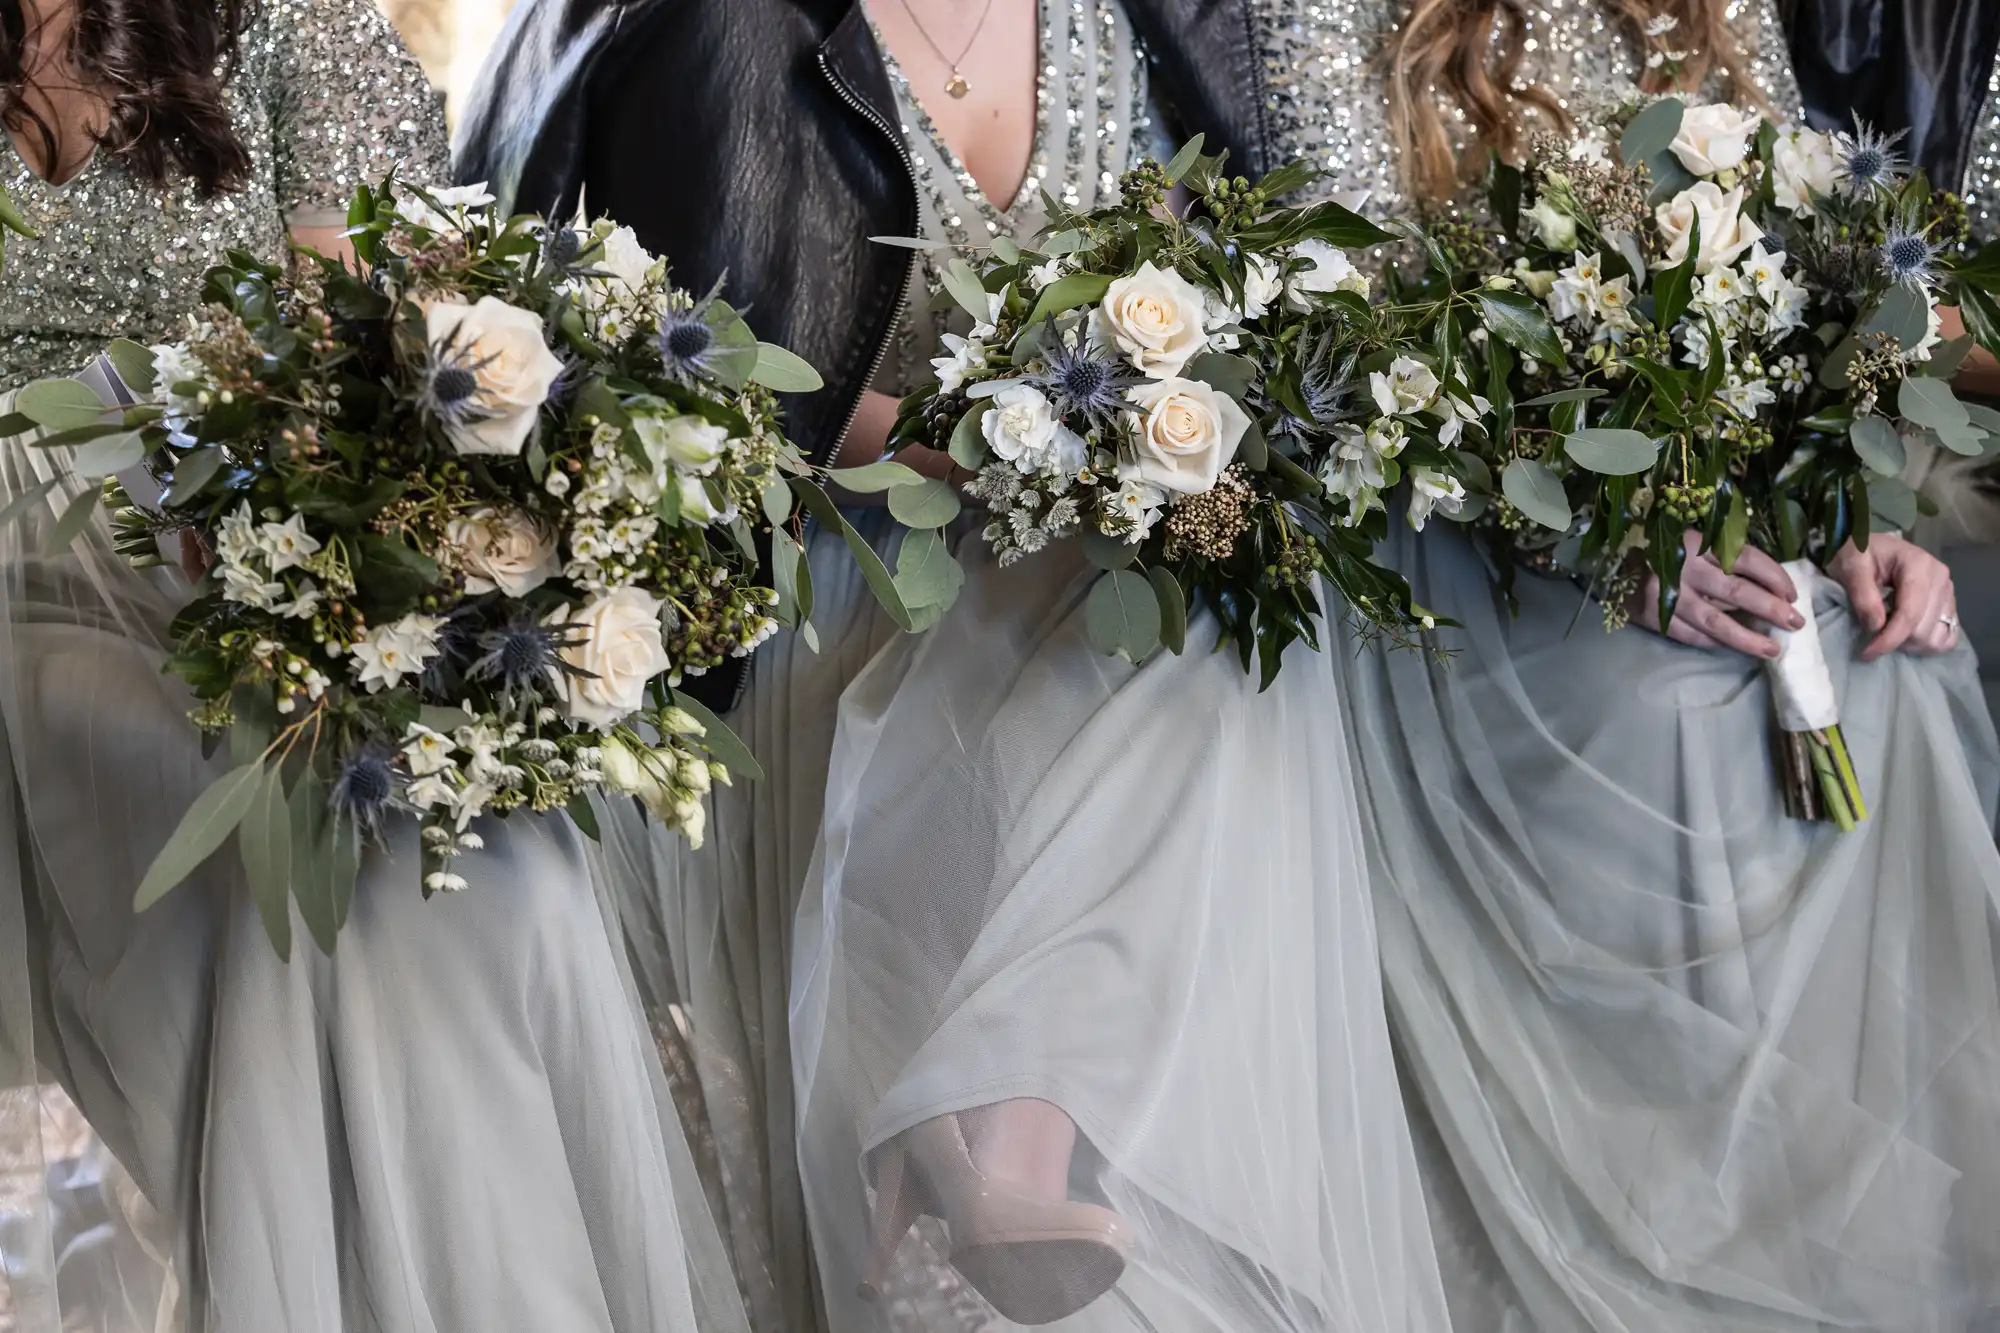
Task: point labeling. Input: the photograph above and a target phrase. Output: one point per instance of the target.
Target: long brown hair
(161, 65)
(1467, 54)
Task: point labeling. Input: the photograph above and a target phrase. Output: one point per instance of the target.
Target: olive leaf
(208, 822)
(722, 744)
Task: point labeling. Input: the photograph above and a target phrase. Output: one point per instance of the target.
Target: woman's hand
(1926, 615)
(1705, 615)
(865, 439)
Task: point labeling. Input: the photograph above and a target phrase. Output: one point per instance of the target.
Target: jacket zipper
(903, 297)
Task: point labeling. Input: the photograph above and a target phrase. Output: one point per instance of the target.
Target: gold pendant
(956, 85)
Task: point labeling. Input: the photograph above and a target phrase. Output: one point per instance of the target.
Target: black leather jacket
(756, 139)
(1916, 65)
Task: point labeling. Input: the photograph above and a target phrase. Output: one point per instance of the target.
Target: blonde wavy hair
(1467, 54)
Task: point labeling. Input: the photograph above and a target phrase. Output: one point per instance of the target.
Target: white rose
(1155, 318)
(1556, 228)
(1407, 387)
(690, 441)
(502, 346)
(1021, 425)
(1262, 286)
(1802, 165)
(621, 649)
(1715, 137)
(1331, 271)
(504, 549)
(1189, 436)
(1725, 232)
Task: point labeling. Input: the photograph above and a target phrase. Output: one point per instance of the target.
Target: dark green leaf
(208, 822)
(1519, 322)
(584, 815)
(722, 744)
(265, 843)
(1982, 271)
(1232, 375)
(1982, 317)
(1122, 615)
(1254, 449)
(1673, 289)
(1579, 395)
(1184, 160)
(1173, 608)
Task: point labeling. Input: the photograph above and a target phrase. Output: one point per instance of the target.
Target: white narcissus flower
(236, 542)
(1140, 502)
(1046, 272)
(247, 587)
(1802, 165)
(1573, 295)
(512, 367)
(1021, 426)
(388, 654)
(455, 198)
(1406, 388)
(621, 650)
(1725, 232)
(1432, 491)
(1189, 435)
(286, 545)
(508, 550)
(1555, 228)
(1155, 317)
(1715, 137)
(968, 356)
(1331, 271)
(426, 751)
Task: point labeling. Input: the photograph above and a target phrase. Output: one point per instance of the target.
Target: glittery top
(1090, 110)
(1329, 103)
(1982, 171)
(324, 96)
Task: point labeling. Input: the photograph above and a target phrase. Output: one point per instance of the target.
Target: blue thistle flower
(1327, 392)
(688, 340)
(1082, 384)
(364, 788)
(523, 654)
(1868, 159)
(1909, 256)
(450, 390)
(562, 246)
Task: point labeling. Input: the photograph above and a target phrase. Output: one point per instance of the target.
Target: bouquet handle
(1815, 771)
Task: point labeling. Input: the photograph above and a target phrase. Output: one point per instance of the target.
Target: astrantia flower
(1868, 159)
(363, 788)
(1908, 255)
(1083, 385)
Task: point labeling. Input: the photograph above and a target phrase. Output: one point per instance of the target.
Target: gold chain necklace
(956, 84)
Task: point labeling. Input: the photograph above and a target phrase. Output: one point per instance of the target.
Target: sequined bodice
(324, 96)
(1982, 172)
(1091, 122)
(1328, 101)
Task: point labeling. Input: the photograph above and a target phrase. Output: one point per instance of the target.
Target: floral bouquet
(1737, 332)
(1208, 402)
(466, 517)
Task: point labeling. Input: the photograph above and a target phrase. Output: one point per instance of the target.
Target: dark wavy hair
(162, 64)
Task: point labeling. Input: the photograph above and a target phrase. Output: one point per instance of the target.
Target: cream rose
(1802, 165)
(504, 549)
(512, 368)
(1725, 232)
(1190, 434)
(1155, 318)
(1715, 137)
(620, 648)
(625, 259)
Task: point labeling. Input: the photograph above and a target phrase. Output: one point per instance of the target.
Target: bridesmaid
(1686, 1064)
(455, 1122)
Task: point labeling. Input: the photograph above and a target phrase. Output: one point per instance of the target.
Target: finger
(1759, 601)
(1938, 634)
(1864, 591)
(1686, 631)
(1912, 605)
(1760, 569)
(1732, 634)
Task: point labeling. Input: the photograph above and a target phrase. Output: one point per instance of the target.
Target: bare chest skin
(991, 126)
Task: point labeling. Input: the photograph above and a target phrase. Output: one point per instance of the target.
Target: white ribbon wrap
(1801, 685)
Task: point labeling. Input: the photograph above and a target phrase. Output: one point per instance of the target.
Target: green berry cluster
(1232, 200)
(1145, 185)
(1688, 503)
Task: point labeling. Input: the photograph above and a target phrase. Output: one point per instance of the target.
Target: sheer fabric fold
(1134, 894)
(1693, 1065)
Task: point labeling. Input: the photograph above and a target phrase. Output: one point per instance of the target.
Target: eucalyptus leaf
(1947, 357)
(214, 815)
(784, 371)
(926, 574)
(265, 844)
(1982, 417)
(1005, 250)
(777, 501)
(109, 454)
(1173, 608)
(1892, 504)
(1652, 131)
(1107, 552)
(1903, 314)
(1122, 615)
(312, 859)
(883, 474)
(873, 571)
(1520, 322)
(27, 500)
(968, 443)
(910, 243)
(1614, 453)
(1536, 492)
(133, 363)
(1577, 395)
(786, 554)
(75, 518)
(1929, 402)
(722, 744)
(1879, 444)
(60, 404)
(929, 504)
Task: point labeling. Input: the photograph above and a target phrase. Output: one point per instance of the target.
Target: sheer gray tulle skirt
(1688, 1065)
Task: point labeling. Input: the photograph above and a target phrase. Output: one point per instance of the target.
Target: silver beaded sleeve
(1982, 171)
